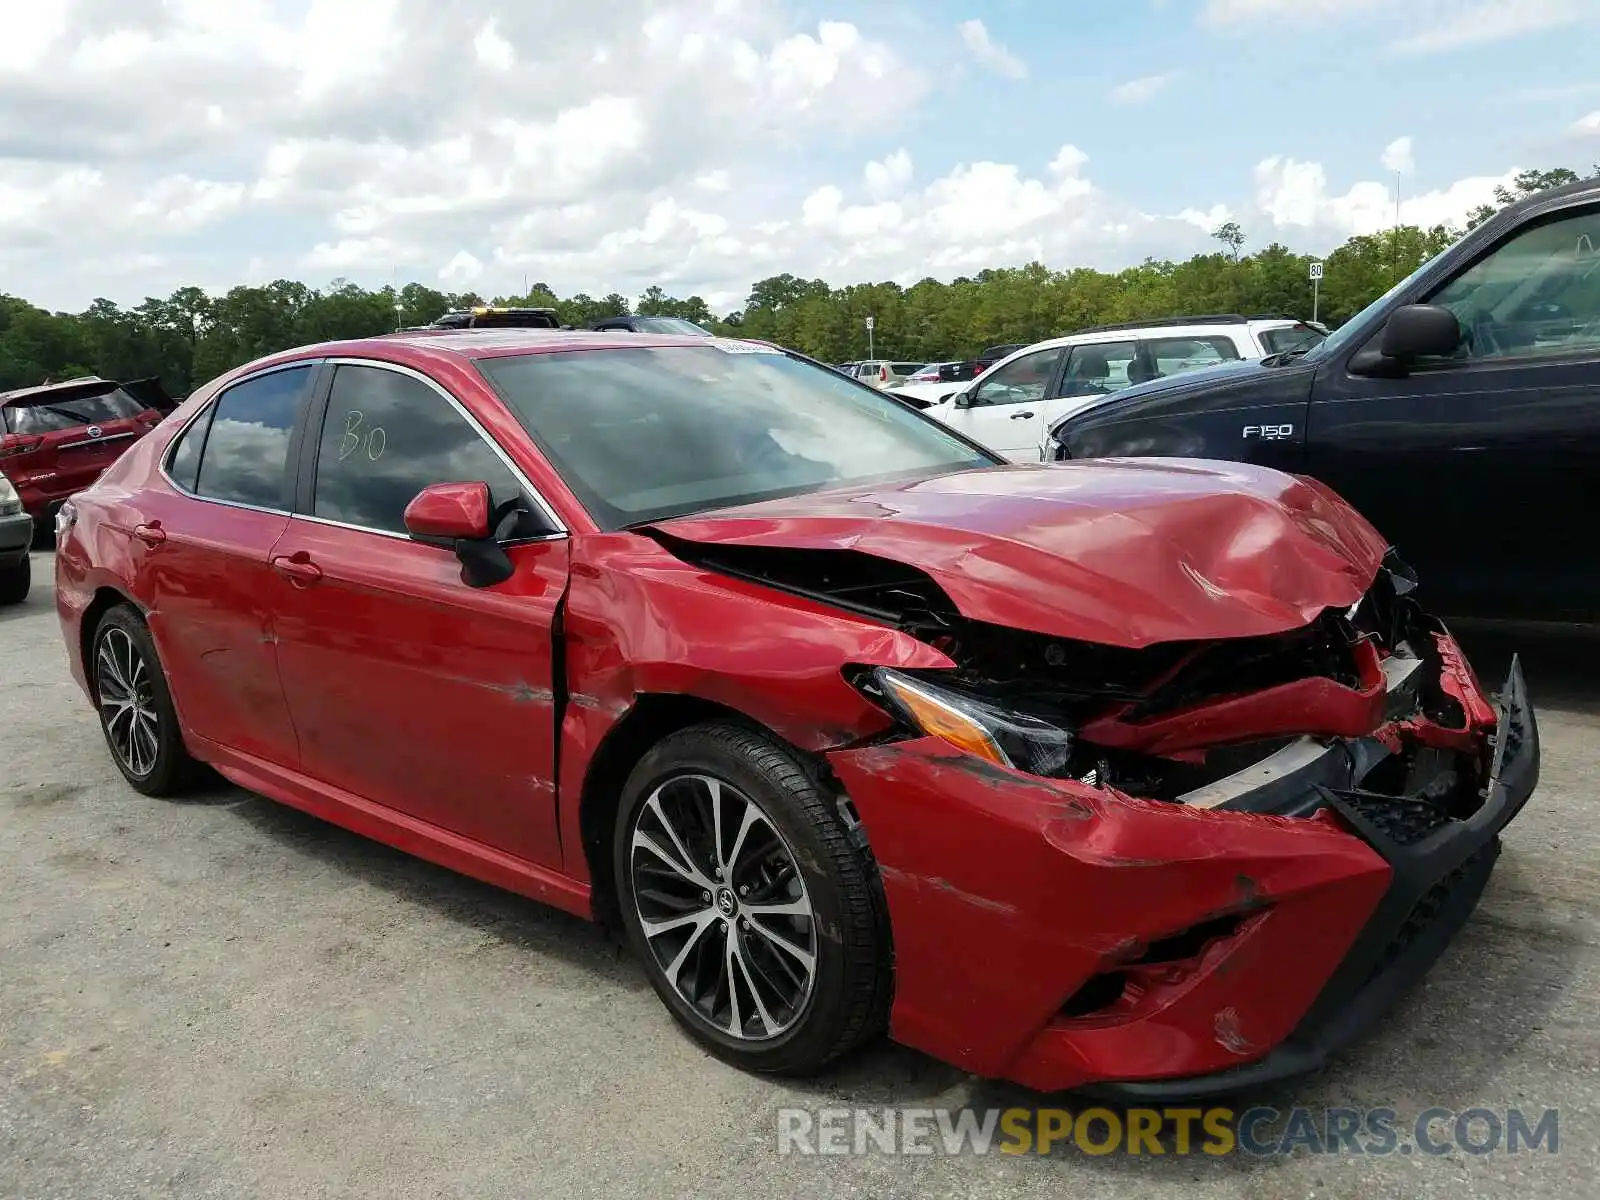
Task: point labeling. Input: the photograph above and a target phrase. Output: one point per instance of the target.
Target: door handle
(151, 535)
(1022, 416)
(297, 568)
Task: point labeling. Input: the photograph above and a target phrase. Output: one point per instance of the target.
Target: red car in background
(56, 438)
(1146, 776)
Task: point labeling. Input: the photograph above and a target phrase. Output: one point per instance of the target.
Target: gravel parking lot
(223, 997)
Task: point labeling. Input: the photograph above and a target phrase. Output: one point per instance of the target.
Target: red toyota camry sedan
(1145, 776)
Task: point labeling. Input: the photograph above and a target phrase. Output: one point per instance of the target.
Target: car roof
(419, 347)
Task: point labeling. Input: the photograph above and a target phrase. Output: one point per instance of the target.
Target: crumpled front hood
(1122, 552)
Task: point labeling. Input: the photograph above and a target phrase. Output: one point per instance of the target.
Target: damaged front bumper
(1153, 950)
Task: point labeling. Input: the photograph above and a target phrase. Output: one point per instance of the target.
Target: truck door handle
(1022, 416)
(297, 568)
(151, 535)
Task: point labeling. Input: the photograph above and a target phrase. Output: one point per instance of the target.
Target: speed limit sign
(1316, 270)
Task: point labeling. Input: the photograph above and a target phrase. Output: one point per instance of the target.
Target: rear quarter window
(183, 460)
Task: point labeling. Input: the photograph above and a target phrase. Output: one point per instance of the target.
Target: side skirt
(381, 824)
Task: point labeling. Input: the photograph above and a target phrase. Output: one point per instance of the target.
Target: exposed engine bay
(1370, 698)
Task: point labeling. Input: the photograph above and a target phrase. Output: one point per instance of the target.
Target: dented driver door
(408, 687)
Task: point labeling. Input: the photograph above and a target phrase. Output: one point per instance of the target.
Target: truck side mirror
(1420, 330)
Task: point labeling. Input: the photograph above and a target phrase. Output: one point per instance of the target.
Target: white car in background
(1009, 407)
(881, 372)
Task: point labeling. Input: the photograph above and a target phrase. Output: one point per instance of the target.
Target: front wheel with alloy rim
(136, 713)
(757, 918)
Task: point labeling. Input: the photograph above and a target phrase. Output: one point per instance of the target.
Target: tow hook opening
(1165, 959)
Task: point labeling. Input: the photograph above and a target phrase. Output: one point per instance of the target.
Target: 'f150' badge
(1269, 433)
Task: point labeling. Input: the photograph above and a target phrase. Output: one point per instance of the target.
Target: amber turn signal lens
(939, 719)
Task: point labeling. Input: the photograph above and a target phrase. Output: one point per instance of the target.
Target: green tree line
(190, 337)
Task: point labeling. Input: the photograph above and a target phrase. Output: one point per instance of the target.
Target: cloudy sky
(704, 144)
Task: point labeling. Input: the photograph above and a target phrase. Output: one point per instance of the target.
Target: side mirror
(459, 515)
(963, 398)
(449, 512)
(1417, 330)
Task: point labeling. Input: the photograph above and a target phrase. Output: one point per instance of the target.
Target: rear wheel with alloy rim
(136, 713)
(748, 901)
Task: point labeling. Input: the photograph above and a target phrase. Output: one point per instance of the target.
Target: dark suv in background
(487, 316)
(1460, 413)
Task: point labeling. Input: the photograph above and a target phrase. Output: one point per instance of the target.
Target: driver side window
(1019, 382)
(1538, 294)
(387, 436)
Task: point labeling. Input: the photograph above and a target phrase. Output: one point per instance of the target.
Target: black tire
(847, 999)
(15, 581)
(161, 764)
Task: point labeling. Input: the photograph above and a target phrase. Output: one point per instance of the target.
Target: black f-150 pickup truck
(1460, 412)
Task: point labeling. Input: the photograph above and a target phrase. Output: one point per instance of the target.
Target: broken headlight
(1009, 738)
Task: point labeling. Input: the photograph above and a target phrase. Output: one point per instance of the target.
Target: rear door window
(246, 455)
(1172, 356)
(1099, 369)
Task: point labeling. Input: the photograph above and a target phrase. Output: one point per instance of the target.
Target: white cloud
(1399, 157)
(30, 31)
(889, 176)
(1207, 220)
(1492, 21)
(1424, 27)
(599, 148)
(180, 203)
(990, 52)
(463, 269)
(1244, 12)
(492, 49)
(1588, 124)
(1141, 90)
(1295, 196)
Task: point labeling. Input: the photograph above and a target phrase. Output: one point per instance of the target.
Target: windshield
(1336, 339)
(670, 325)
(44, 414)
(644, 434)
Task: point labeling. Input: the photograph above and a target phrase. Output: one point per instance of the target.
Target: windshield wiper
(1285, 356)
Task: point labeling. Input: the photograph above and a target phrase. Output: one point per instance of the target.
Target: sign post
(870, 354)
(1316, 288)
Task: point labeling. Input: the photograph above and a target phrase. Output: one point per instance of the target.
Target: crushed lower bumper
(1437, 879)
(1011, 895)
